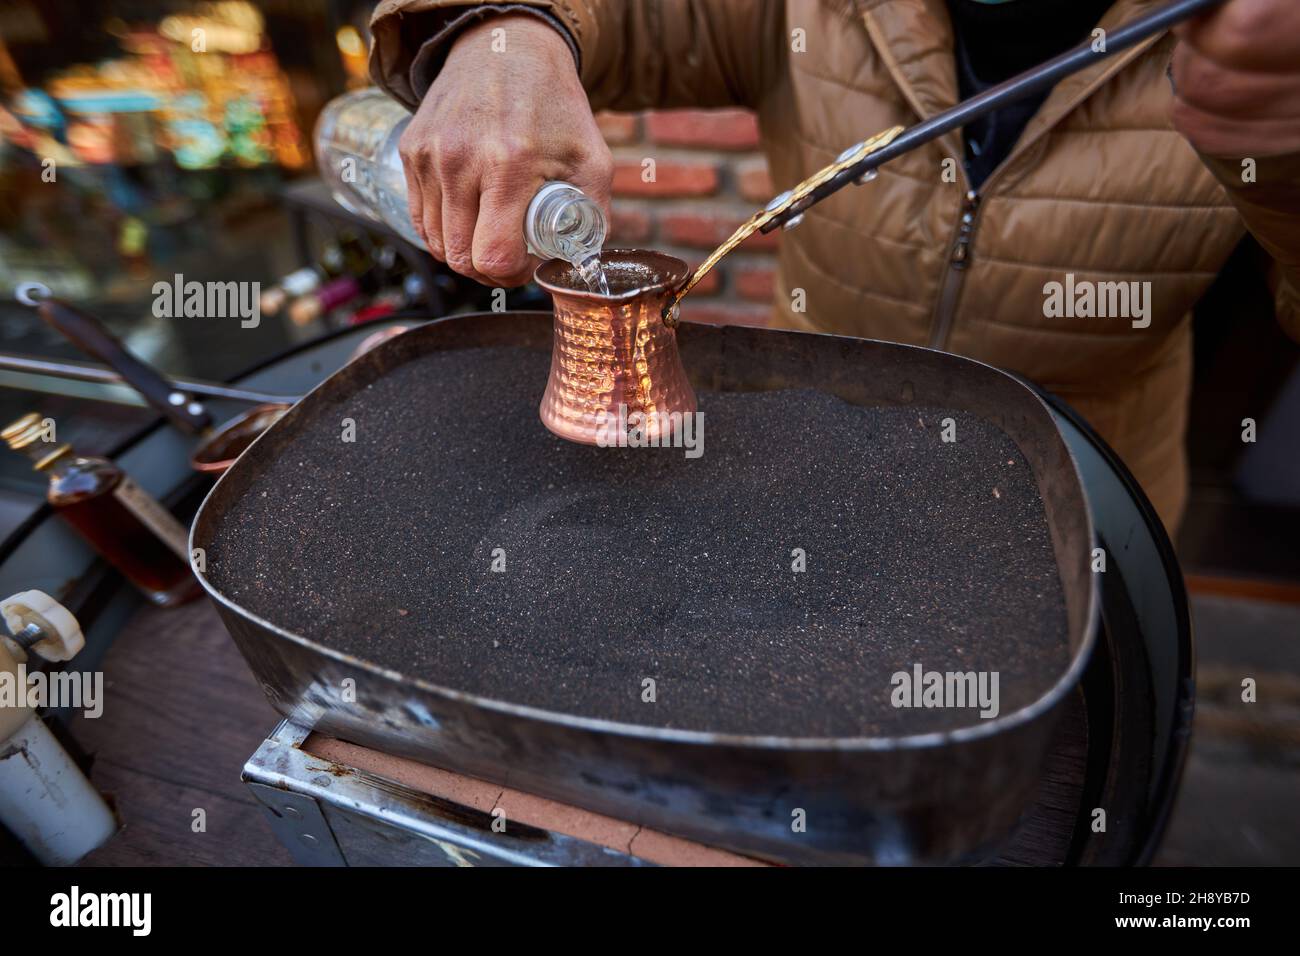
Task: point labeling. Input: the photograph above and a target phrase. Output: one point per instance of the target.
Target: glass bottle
(563, 222)
(118, 518)
(357, 139)
(356, 151)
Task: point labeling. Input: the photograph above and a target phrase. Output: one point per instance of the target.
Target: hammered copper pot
(615, 350)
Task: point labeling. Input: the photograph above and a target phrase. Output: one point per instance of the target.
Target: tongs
(858, 163)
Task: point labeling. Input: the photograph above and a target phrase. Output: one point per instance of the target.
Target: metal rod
(82, 372)
(1035, 80)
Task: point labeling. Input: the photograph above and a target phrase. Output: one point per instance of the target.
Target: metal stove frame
(327, 814)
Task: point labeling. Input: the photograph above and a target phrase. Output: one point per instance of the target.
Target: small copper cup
(615, 350)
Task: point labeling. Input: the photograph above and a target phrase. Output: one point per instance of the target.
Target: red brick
(710, 129)
(719, 313)
(619, 128)
(706, 230)
(756, 283)
(672, 179)
(754, 181)
(710, 284)
(630, 226)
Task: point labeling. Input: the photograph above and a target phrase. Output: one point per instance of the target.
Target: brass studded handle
(777, 207)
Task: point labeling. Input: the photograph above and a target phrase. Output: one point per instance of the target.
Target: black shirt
(994, 42)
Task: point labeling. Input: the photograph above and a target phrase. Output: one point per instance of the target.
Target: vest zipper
(958, 259)
(882, 26)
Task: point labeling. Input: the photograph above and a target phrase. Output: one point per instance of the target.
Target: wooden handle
(92, 337)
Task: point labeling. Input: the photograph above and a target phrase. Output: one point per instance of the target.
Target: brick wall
(708, 178)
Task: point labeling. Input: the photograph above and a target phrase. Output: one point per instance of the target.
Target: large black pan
(940, 797)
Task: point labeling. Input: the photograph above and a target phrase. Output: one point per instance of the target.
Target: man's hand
(1237, 79)
(497, 123)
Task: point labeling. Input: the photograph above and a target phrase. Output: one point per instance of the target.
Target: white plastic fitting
(62, 638)
(45, 799)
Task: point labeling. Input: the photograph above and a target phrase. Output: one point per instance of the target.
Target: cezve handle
(91, 336)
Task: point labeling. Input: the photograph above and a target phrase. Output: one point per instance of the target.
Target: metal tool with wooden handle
(219, 447)
(91, 336)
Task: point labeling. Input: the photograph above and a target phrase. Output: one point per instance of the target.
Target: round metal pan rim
(986, 728)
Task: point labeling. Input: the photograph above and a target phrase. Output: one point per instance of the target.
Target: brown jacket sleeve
(1270, 206)
(634, 54)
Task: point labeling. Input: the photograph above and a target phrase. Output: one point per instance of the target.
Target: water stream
(593, 273)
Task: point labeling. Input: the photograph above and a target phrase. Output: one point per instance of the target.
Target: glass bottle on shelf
(117, 517)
